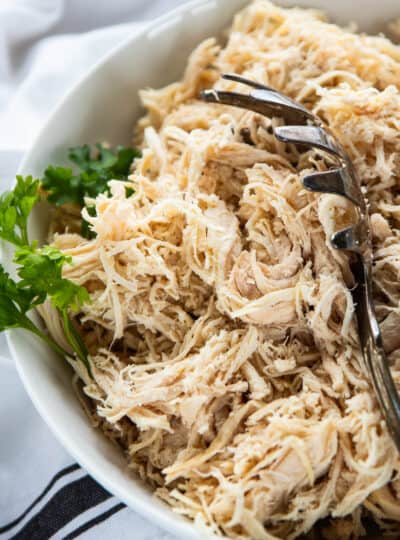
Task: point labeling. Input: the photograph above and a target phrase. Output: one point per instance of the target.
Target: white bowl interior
(102, 107)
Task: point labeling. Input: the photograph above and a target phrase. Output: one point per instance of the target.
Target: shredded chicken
(223, 346)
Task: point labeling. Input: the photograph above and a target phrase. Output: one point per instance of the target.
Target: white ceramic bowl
(104, 106)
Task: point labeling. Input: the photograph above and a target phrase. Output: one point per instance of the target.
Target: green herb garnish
(63, 186)
(40, 272)
(15, 207)
(15, 302)
(86, 231)
(40, 269)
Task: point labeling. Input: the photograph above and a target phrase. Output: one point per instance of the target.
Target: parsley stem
(24, 236)
(75, 340)
(28, 325)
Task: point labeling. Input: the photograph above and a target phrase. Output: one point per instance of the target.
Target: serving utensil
(305, 129)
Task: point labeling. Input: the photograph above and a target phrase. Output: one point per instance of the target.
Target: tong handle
(372, 347)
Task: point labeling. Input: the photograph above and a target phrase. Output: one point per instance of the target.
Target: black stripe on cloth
(60, 474)
(70, 501)
(95, 521)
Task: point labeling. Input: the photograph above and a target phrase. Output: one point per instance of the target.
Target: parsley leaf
(41, 272)
(15, 207)
(86, 231)
(63, 186)
(15, 302)
(129, 191)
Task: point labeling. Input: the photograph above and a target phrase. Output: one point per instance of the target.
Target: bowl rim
(161, 516)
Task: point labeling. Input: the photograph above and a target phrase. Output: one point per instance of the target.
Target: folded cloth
(45, 47)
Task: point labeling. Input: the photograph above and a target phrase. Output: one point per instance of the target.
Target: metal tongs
(305, 129)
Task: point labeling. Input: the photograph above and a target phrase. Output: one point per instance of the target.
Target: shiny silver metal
(305, 129)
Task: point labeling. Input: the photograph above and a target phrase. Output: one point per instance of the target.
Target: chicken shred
(223, 346)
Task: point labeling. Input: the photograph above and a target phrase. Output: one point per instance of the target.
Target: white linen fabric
(45, 47)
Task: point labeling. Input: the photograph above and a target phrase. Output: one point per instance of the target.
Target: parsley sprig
(64, 186)
(40, 273)
(15, 207)
(40, 268)
(15, 303)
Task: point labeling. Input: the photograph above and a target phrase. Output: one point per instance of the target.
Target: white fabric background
(45, 47)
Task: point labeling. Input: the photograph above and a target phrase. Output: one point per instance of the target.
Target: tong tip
(242, 80)
(210, 95)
